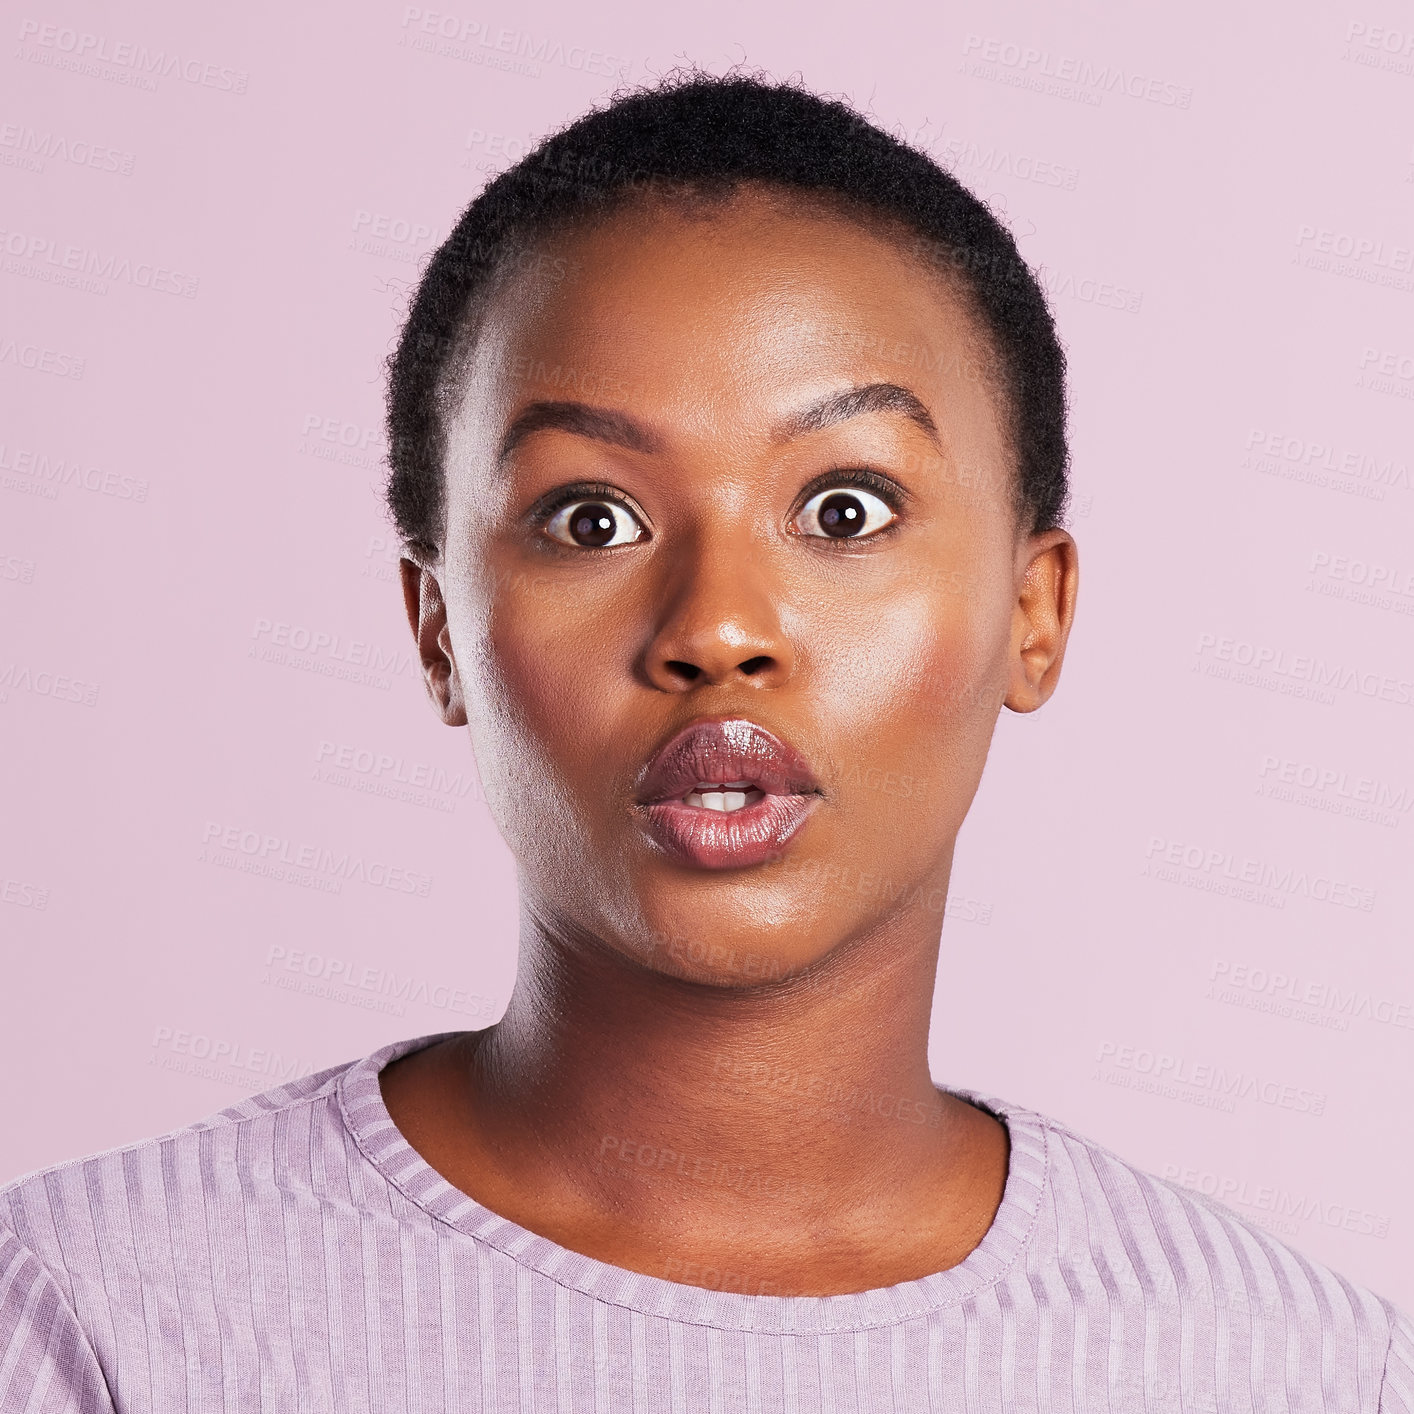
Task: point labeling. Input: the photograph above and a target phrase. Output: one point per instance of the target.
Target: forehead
(720, 317)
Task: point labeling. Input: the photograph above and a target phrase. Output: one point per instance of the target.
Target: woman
(728, 448)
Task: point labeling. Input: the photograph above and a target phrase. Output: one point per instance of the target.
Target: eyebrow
(854, 402)
(601, 424)
(620, 430)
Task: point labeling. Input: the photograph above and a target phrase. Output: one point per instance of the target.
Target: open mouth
(725, 794)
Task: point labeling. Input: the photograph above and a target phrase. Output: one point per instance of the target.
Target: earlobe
(1041, 620)
(427, 616)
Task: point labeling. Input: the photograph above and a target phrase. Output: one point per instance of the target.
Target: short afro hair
(703, 137)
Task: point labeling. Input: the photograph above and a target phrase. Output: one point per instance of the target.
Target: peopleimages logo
(1089, 290)
(1211, 1086)
(392, 777)
(329, 654)
(1296, 458)
(59, 687)
(960, 154)
(1296, 674)
(1266, 1198)
(1355, 256)
(43, 258)
(1065, 75)
(1180, 862)
(334, 439)
(38, 359)
(1335, 791)
(22, 895)
(1388, 371)
(311, 865)
(371, 987)
(229, 1062)
(392, 237)
(60, 47)
(1360, 573)
(1356, 247)
(1290, 994)
(1379, 47)
(505, 146)
(15, 569)
(456, 37)
(53, 472)
(22, 146)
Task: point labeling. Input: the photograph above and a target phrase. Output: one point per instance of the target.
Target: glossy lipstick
(724, 794)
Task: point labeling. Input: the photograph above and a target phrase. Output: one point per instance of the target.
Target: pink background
(209, 226)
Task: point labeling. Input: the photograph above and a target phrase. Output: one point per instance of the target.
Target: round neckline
(366, 1117)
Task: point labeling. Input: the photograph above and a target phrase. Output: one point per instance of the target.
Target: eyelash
(884, 487)
(543, 511)
(887, 489)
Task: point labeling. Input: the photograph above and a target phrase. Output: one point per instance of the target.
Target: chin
(736, 938)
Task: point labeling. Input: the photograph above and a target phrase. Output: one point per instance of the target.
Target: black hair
(703, 137)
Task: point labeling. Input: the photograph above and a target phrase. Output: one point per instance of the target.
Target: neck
(792, 1094)
(782, 1137)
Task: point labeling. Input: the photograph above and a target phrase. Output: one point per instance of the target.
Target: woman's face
(671, 507)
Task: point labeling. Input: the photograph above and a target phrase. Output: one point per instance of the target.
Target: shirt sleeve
(47, 1365)
(1397, 1387)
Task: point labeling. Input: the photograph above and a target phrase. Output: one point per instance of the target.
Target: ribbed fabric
(293, 1253)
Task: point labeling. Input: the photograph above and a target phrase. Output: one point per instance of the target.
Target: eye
(594, 524)
(844, 514)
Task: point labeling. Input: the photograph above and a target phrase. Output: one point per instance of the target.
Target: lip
(722, 750)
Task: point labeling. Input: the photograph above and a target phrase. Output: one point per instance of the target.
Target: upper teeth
(732, 796)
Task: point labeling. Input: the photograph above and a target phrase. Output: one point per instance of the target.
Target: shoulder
(85, 1244)
(64, 1213)
(1185, 1239)
(130, 1209)
(1185, 1258)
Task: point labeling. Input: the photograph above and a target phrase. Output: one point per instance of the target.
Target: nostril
(755, 665)
(688, 672)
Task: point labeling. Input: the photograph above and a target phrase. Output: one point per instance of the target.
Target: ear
(427, 615)
(1047, 581)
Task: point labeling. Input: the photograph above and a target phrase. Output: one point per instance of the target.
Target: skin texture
(689, 1078)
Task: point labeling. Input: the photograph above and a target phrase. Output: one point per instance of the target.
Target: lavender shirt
(294, 1253)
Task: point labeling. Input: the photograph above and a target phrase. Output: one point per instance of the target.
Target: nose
(720, 623)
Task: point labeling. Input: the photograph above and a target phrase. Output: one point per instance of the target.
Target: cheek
(909, 692)
(538, 692)
(930, 651)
